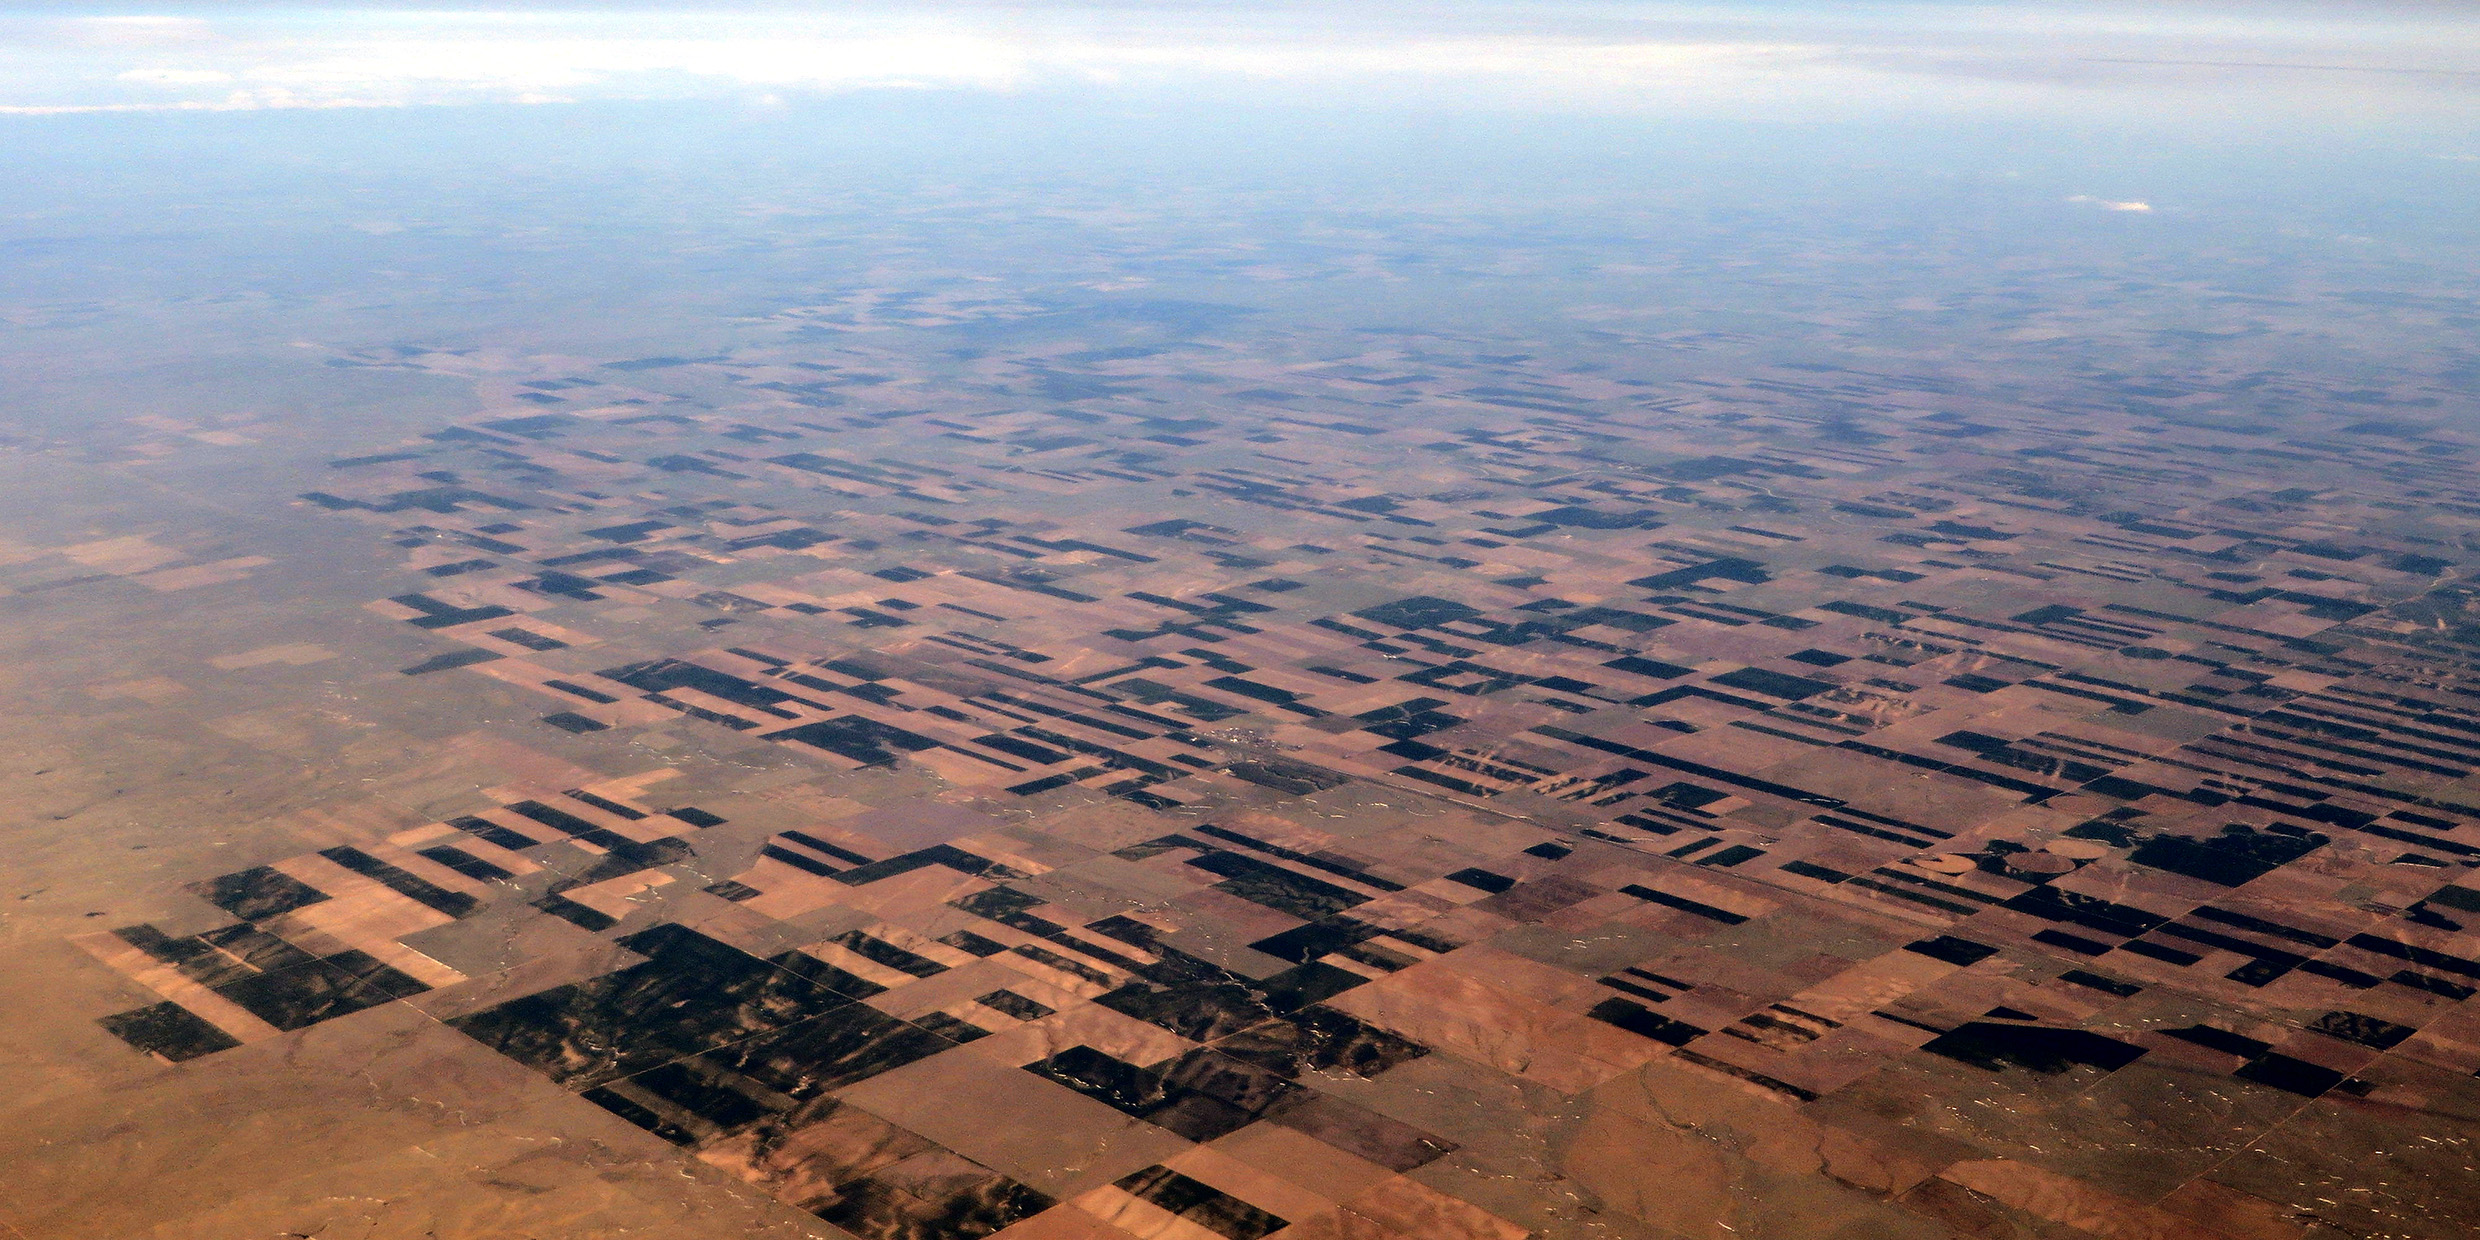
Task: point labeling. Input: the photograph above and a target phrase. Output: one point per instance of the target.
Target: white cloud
(176, 77)
(263, 102)
(2108, 205)
(134, 31)
(1739, 59)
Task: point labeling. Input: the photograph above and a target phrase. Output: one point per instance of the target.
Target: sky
(2410, 69)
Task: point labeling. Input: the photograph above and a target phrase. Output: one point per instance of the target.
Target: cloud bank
(2348, 65)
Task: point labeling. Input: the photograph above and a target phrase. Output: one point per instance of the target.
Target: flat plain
(952, 756)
